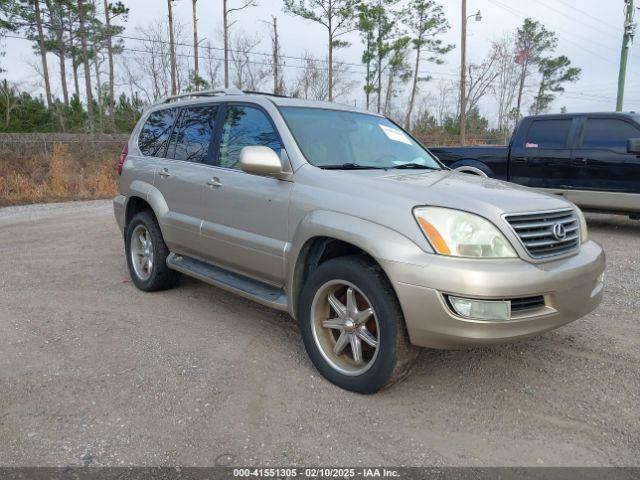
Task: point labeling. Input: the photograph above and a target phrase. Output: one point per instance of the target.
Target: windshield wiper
(350, 166)
(414, 166)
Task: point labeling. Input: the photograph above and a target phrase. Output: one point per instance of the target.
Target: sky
(589, 33)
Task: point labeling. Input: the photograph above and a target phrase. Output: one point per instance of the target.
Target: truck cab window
(608, 133)
(548, 134)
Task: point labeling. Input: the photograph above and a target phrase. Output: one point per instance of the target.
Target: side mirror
(633, 145)
(260, 161)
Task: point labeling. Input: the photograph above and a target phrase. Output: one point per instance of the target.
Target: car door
(181, 178)
(542, 157)
(245, 226)
(602, 149)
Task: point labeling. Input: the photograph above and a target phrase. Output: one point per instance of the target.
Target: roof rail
(202, 93)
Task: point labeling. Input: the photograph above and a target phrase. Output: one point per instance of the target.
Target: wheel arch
(473, 166)
(144, 196)
(322, 236)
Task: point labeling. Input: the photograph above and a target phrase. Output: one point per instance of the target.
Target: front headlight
(461, 234)
(584, 234)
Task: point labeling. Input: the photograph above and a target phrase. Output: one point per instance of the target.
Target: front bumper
(572, 287)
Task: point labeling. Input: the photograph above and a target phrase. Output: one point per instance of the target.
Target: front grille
(536, 232)
(528, 303)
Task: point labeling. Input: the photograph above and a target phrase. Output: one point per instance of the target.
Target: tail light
(122, 159)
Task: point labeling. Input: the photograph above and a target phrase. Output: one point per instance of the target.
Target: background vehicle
(593, 159)
(340, 218)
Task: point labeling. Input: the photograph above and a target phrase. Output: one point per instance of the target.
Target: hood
(447, 188)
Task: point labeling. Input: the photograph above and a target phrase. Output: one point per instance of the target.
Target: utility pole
(463, 76)
(172, 51)
(627, 40)
(196, 69)
(225, 29)
(276, 58)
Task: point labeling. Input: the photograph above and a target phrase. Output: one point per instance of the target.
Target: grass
(34, 172)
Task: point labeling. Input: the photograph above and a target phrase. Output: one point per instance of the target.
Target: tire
(157, 276)
(381, 366)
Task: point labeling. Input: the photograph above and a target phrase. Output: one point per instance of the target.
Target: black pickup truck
(593, 159)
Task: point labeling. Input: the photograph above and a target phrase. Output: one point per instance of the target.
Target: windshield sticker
(395, 135)
(531, 145)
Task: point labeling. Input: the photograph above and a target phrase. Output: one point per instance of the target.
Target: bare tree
(225, 30)
(313, 81)
(481, 78)
(508, 78)
(155, 58)
(247, 74)
(276, 59)
(212, 66)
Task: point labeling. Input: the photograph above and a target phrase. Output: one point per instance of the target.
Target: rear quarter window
(548, 134)
(154, 136)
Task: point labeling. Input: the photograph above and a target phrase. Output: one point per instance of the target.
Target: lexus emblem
(559, 232)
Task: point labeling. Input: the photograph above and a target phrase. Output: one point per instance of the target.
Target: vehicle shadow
(608, 223)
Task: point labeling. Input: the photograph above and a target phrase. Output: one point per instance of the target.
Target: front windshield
(340, 139)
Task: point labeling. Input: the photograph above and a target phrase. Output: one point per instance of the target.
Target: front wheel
(352, 325)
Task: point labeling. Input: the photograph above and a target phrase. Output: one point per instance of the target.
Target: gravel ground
(94, 372)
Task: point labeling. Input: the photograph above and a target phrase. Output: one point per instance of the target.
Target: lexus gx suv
(339, 217)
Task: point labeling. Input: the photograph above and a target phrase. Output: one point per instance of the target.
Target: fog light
(481, 309)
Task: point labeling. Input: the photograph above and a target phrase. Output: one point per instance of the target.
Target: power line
(517, 13)
(564, 14)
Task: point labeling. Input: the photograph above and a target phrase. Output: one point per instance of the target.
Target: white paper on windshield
(395, 135)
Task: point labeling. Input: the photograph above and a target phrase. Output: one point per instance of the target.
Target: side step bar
(232, 282)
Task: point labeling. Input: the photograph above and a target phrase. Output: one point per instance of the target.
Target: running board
(246, 287)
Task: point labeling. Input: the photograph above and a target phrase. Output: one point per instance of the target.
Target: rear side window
(245, 127)
(548, 134)
(154, 137)
(192, 135)
(608, 133)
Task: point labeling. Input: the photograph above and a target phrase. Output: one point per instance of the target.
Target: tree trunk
(414, 88)
(225, 27)
(277, 90)
(43, 52)
(523, 76)
(58, 27)
(379, 54)
(85, 61)
(172, 51)
(196, 69)
(99, 92)
(389, 92)
(330, 75)
(111, 99)
(76, 83)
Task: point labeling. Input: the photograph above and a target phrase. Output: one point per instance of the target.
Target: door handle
(214, 182)
(579, 162)
(164, 173)
(521, 159)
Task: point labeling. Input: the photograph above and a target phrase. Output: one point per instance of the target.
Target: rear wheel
(147, 254)
(352, 325)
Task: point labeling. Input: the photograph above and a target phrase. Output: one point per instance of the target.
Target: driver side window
(245, 127)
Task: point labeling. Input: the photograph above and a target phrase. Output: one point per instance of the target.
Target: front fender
(378, 241)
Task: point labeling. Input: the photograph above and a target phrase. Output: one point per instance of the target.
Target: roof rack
(202, 93)
(215, 93)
